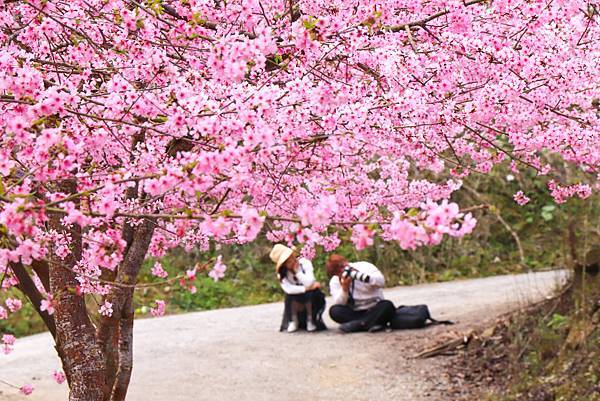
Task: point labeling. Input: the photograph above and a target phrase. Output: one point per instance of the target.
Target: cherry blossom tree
(130, 128)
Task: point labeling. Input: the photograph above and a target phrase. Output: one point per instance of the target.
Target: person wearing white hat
(304, 301)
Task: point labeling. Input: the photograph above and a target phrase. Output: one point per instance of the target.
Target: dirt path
(238, 354)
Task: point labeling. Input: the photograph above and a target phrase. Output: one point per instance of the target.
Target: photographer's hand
(345, 282)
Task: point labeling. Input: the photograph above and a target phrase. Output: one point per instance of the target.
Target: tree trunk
(75, 335)
(125, 351)
(109, 329)
(115, 333)
(108, 340)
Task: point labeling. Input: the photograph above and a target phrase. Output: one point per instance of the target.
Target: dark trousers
(380, 314)
(317, 300)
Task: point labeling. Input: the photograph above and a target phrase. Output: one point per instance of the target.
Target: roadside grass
(549, 352)
(560, 350)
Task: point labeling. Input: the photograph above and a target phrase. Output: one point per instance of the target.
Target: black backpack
(414, 317)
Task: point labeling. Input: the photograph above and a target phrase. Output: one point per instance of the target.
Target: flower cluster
(8, 340)
(428, 225)
(159, 309)
(59, 377)
(561, 193)
(218, 270)
(106, 309)
(26, 389)
(158, 271)
(521, 198)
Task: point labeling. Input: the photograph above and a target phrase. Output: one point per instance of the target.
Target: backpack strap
(434, 322)
(351, 295)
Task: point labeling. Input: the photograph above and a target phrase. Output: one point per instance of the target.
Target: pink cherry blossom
(191, 274)
(466, 226)
(159, 309)
(561, 193)
(362, 237)
(8, 340)
(106, 309)
(218, 270)
(521, 198)
(158, 271)
(5, 164)
(13, 304)
(47, 305)
(251, 224)
(74, 215)
(59, 377)
(26, 389)
(29, 250)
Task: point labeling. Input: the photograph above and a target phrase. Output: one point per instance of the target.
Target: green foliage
(212, 295)
(24, 322)
(249, 279)
(557, 321)
(310, 23)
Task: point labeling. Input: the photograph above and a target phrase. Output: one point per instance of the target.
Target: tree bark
(75, 334)
(125, 351)
(128, 275)
(108, 332)
(40, 267)
(115, 333)
(108, 340)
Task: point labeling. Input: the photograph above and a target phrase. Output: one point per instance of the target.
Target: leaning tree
(133, 127)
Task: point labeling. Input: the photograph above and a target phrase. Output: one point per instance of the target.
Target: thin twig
(134, 286)
(410, 39)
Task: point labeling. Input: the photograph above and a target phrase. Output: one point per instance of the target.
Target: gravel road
(238, 354)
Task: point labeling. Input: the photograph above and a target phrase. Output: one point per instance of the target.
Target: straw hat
(279, 254)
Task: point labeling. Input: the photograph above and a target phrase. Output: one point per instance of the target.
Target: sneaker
(353, 326)
(310, 326)
(293, 326)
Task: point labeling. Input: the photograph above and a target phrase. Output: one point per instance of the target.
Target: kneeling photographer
(357, 291)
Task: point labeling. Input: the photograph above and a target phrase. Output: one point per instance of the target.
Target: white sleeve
(340, 297)
(309, 270)
(376, 277)
(290, 288)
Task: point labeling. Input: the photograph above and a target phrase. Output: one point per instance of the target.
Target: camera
(355, 274)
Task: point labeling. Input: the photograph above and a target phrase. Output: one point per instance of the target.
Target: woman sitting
(304, 301)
